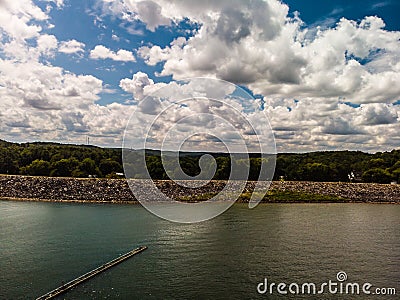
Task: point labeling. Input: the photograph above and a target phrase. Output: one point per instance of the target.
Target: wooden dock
(69, 285)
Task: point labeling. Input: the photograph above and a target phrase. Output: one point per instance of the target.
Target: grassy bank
(274, 196)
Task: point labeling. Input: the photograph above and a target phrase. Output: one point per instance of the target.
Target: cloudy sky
(327, 76)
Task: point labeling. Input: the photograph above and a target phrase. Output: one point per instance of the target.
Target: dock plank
(69, 285)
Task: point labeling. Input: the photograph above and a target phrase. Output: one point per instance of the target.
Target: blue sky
(330, 70)
(330, 11)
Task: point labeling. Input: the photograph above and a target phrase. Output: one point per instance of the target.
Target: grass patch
(293, 197)
(274, 196)
(196, 198)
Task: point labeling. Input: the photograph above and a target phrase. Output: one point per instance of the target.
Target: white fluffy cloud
(102, 52)
(150, 13)
(15, 17)
(326, 124)
(136, 85)
(46, 44)
(40, 101)
(378, 114)
(71, 46)
(256, 43)
(198, 110)
(285, 63)
(44, 102)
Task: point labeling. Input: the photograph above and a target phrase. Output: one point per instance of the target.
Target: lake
(43, 245)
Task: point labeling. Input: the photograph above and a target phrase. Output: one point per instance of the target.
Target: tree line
(52, 159)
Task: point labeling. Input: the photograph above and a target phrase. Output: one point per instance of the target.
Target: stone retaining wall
(117, 190)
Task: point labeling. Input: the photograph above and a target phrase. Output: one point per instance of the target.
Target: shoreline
(116, 191)
(68, 201)
(36, 200)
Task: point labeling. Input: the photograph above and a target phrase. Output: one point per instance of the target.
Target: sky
(327, 75)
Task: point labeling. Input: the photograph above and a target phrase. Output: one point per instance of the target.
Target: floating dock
(69, 285)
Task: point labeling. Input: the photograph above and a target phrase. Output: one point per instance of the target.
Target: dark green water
(44, 244)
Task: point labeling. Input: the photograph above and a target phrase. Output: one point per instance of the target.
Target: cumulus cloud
(378, 114)
(150, 13)
(326, 124)
(141, 86)
(136, 85)
(304, 74)
(102, 52)
(258, 44)
(178, 109)
(44, 102)
(71, 46)
(40, 101)
(46, 44)
(15, 17)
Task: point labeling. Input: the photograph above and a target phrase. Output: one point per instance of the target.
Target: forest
(64, 160)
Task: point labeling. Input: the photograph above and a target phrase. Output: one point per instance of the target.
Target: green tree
(38, 168)
(223, 168)
(108, 166)
(64, 167)
(26, 156)
(190, 165)
(8, 161)
(396, 175)
(56, 157)
(155, 167)
(376, 163)
(88, 167)
(255, 168)
(377, 175)
(315, 172)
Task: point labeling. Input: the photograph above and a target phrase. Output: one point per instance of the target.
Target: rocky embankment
(117, 190)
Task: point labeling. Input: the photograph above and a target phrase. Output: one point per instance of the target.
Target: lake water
(45, 244)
